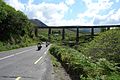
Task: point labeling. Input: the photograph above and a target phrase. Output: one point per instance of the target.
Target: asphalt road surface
(26, 64)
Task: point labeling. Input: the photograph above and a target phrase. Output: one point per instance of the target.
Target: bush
(42, 38)
(78, 64)
(106, 45)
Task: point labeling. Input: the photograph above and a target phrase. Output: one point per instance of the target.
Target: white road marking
(38, 60)
(45, 52)
(14, 54)
(41, 56)
(18, 78)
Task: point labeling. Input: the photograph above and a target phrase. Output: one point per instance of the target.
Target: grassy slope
(78, 65)
(86, 67)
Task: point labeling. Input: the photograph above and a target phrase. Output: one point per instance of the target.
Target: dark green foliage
(42, 38)
(15, 28)
(13, 24)
(106, 45)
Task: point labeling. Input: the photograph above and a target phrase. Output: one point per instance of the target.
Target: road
(26, 64)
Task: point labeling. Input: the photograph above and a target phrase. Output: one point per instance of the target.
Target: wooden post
(77, 36)
(49, 34)
(63, 34)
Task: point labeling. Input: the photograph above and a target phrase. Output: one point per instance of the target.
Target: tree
(14, 24)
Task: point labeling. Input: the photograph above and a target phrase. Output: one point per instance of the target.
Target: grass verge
(81, 67)
(59, 71)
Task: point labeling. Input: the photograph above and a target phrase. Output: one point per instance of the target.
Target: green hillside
(98, 59)
(15, 28)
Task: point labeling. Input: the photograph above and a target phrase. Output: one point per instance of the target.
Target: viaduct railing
(77, 29)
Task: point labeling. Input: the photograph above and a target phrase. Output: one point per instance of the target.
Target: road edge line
(18, 78)
(14, 54)
(38, 60)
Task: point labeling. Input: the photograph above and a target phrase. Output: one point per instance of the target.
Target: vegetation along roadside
(15, 29)
(98, 60)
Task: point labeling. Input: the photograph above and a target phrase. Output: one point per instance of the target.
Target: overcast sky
(70, 12)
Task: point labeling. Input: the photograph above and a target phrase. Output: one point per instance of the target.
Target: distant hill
(38, 22)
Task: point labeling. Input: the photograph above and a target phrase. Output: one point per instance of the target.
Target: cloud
(112, 18)
(116, 15)
(30, 1)
(16, 4)
(49, 12)
(117, 1)
(99, 12)
(70, 2)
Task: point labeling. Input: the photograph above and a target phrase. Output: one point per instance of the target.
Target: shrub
(106, 45)
(42, 38)
(84, 67)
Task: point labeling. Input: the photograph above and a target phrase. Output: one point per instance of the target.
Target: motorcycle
(47, 43)
(39, 46)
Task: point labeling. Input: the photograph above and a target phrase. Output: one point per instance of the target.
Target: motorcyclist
(47, 43)
(39, 46)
